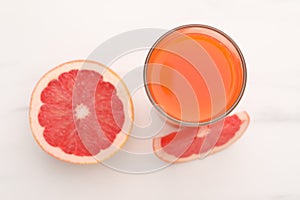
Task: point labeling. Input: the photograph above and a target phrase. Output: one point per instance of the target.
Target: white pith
(122, 93)
(163, 155)
(81, 111)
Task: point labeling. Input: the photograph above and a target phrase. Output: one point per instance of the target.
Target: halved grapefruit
(192, 143)
(81, 112)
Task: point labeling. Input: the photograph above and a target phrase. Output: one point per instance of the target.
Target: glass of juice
(195, 75)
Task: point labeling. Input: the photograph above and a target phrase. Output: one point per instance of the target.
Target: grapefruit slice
(192, 143)
(81, 112)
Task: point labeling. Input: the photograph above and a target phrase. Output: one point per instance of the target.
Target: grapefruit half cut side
(81, 112)
(189, 143)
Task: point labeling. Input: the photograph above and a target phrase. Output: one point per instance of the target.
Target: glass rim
(188, 123)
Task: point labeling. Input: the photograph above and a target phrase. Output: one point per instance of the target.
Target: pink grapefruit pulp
(193, 142)
(81, 112)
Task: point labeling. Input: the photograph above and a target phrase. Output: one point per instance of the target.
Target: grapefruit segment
(81, 112)
(192, 143)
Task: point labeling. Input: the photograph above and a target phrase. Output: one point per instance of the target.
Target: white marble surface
(264, 164)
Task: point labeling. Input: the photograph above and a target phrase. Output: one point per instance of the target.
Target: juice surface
(195, 74)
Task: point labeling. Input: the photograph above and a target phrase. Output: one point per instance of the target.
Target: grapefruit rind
(163, 155)
(109, 76)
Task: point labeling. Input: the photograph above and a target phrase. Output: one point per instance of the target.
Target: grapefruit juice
(195, 74)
